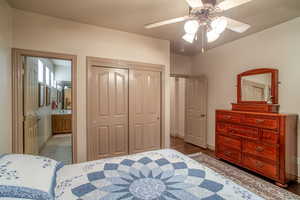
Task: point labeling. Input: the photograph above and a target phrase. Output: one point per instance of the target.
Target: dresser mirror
(257, 90)
(256, 87)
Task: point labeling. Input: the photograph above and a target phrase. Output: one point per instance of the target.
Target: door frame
(17, 95)
(129, 65)
(199, 77)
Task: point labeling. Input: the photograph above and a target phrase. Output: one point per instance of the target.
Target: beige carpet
(253, 183)
(59, 147)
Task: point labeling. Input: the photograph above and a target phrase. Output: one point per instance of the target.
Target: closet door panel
(108, 112)
(145, 110)
(102, 136)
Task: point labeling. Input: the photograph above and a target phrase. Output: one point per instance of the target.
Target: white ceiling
(59, 62)
(132, 15)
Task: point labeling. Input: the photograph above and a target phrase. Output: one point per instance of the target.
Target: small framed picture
(48, 96)
(58, 96)
(41, 95)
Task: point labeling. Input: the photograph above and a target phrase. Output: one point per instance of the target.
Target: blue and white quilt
(27, 177)
(157, 175)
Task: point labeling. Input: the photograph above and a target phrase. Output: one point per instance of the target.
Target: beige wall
(277, 47)
(180, 64)
(39, 32)
(5, 77)
(181, 107)
(172, 107)
(177, 106)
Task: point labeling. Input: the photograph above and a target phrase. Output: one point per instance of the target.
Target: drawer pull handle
(259, 121)
(259, 164)
(227, 153)
(232, 131)
(259, 149)
(227, 117)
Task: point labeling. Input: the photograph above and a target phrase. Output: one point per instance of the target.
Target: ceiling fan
(207, 15)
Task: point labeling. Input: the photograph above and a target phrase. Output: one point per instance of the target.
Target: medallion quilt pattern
(157, 175)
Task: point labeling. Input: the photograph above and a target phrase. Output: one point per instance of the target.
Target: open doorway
(188, 113)
(44, 102)
(48, 108)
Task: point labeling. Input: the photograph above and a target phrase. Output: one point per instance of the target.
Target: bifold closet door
(145, 110)
(107, 112)
(195, 111)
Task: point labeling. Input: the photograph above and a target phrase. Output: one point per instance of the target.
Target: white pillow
(27, 176)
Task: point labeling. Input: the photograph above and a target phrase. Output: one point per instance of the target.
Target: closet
(123, 109)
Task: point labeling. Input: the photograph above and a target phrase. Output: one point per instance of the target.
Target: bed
(162, 175)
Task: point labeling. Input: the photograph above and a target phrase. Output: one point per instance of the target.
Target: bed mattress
(163, 174)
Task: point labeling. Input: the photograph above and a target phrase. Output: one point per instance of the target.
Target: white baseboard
(211, 147)
(173, 134)
(180, 136)
(177, 135)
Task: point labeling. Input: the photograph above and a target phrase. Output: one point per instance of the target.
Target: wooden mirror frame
(274, 85)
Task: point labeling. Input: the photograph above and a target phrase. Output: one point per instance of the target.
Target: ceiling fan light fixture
(189, 37)
(212, 36)
(191, 26)
(219, 25)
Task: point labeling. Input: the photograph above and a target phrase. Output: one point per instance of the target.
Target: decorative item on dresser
(253, 134)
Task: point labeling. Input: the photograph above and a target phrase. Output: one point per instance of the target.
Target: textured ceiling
(132, 15)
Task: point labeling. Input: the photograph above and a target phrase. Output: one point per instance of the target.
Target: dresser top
(258, 113)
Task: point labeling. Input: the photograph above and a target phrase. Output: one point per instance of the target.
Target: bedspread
(163, 174)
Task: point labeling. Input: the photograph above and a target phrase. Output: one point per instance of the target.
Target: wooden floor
(179, 145)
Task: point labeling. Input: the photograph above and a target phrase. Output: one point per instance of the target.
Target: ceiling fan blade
(195, 3)
(236, 26)
(166, 22)
(228, 4)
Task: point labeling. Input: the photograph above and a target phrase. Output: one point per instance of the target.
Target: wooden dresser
(261, 141)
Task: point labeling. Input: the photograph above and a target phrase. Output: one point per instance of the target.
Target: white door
(107, 112)
(30, 107)
(196, 111)
(145, 110)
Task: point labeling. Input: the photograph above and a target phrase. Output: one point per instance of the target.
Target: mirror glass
(64, 95)
(67, 98)
(257, 87)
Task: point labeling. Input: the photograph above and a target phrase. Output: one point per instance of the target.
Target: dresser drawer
(222, 128)
(243, 131)
(270, 137)
(262, 122)
(229, 117)
(230, 142)
(264, 168)
(230, 154)
(263, 151)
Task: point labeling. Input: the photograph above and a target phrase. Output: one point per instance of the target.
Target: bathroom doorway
(47, 97)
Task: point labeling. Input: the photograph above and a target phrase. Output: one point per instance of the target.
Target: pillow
(27, 176)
